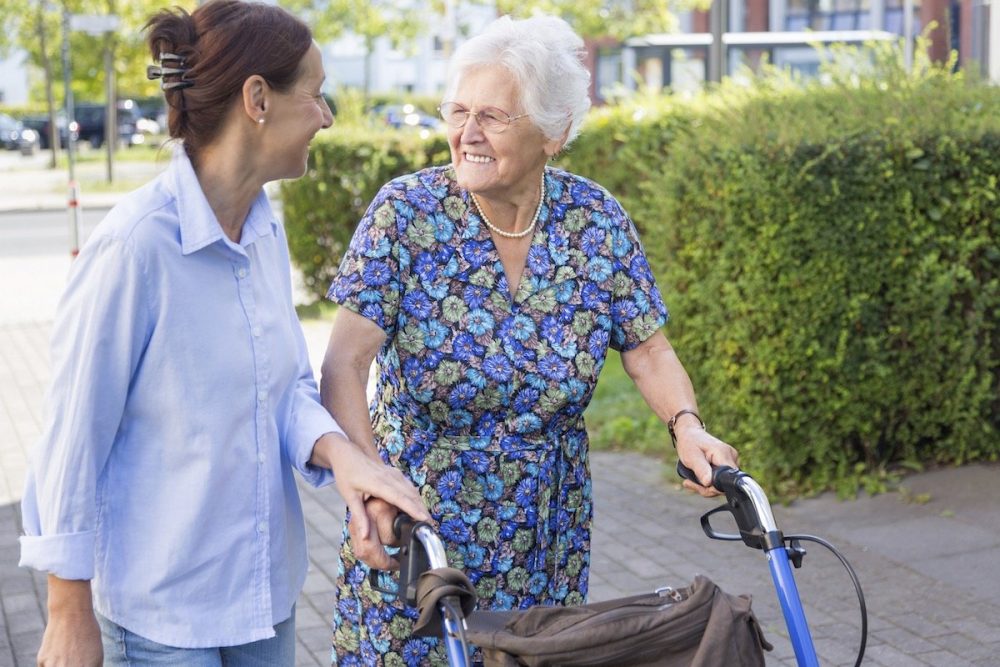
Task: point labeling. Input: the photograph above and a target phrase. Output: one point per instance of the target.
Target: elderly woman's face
(503, 164)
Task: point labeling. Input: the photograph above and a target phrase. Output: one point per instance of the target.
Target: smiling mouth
(478, 159)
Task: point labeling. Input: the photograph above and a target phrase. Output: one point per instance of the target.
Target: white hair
(545, 57)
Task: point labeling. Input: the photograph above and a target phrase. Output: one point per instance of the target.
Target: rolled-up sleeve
(100, 331)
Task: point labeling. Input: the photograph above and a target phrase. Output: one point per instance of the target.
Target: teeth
(478, 159)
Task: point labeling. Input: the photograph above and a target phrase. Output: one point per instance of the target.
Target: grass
(151, 151)
(619, 419)
(317, 310)
(133, 167)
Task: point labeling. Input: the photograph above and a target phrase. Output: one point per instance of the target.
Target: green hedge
(346, 169)
(838, 303)
(829, 254)
(830, 257)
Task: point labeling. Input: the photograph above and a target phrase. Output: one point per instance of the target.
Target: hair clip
(158, 72)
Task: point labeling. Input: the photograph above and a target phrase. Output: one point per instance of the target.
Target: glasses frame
(469, 113)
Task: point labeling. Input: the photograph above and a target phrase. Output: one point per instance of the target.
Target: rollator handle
(413, 557)
(723, 477)
(402, 527)
(748, 504)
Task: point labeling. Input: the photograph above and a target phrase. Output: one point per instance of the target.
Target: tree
(398, 21)
(36, 27)
(620, 19)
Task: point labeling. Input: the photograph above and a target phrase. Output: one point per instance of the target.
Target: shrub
(346, 169)
(829, 255)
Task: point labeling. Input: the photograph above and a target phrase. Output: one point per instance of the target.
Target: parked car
(402, 116)
(10, 132)
(40, 125)
(92, 119)
(28, 141)
(14, 136)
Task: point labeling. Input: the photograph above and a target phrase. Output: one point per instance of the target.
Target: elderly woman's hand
(699, 450)
(369, 545)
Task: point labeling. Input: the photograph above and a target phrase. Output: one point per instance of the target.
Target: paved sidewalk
(930, 570)
(28, 185)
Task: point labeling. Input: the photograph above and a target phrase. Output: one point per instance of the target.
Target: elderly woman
(491, 290)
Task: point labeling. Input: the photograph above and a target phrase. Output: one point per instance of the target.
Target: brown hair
(222, 43)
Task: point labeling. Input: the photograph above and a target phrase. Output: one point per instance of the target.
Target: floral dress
(481, 388)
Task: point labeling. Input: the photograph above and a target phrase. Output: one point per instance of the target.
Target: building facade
(14, 80)
(783, 29)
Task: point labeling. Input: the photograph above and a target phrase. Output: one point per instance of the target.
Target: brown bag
(696, 626)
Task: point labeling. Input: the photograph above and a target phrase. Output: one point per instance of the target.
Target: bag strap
(432, 586)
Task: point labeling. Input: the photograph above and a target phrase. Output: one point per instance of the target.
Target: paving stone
(25, 622)
(316, 640)
(26, 643)
(892, 656)
(21, 603)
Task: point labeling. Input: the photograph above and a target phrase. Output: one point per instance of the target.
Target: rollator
(698, 625)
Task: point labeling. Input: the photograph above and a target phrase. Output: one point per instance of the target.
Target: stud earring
(260, 121)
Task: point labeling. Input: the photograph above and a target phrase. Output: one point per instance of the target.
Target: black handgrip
(723, 477)
(687, 473)
(402, 527)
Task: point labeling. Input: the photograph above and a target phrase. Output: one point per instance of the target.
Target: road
(32, 233)
(35, 259)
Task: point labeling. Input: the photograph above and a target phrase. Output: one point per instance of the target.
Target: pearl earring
(260, 121)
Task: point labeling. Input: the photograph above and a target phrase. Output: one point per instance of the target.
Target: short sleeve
(368, 280)
(637, 308)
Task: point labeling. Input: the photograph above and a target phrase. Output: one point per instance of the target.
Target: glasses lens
(493, 120)
(453, 114)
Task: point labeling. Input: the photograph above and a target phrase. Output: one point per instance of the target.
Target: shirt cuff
(311, 423)
(67, 556)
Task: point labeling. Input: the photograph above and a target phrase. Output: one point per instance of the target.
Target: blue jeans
(127, 649)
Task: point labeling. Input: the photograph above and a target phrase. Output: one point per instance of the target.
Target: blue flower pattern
(481, 388)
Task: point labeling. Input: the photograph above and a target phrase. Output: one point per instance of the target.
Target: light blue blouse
(181, 401)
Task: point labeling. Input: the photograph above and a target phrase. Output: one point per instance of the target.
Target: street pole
(110, 116)
(908, 35)
(74, 188)
(111, 87)
(718, 23)
(44, 6)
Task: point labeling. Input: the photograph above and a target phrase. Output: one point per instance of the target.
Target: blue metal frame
(791, 607)
(781, 571)
(453, 642)
(763, 534)
(453, 632)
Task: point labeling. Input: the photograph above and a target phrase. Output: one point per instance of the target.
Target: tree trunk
(49, 96)
(369, 48)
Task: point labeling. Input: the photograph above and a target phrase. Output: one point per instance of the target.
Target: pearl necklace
(512, 235)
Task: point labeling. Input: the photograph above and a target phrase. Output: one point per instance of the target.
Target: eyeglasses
(491, 119)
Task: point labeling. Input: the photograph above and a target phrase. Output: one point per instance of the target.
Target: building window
(828, 15)
(894, 16)
(608, 72)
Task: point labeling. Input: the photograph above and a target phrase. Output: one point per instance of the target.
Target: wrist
(324, 450)
(684, 420)
(69, 596)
